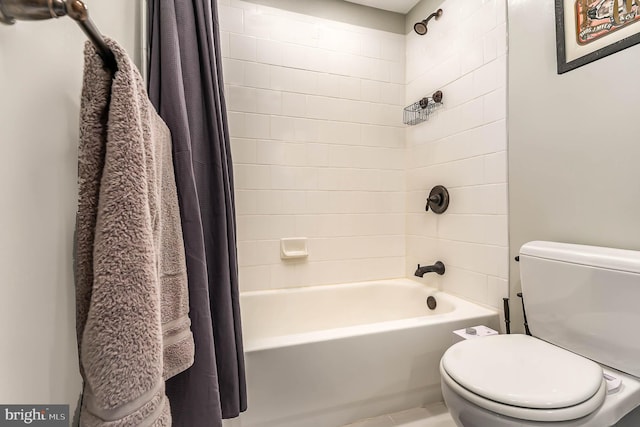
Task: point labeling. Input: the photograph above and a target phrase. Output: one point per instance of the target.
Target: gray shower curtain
(186, 87)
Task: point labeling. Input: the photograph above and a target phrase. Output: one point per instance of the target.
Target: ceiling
(399, 6)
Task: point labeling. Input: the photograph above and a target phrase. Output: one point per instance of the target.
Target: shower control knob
(438, 200)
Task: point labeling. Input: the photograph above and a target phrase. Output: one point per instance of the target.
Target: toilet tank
(585, 299)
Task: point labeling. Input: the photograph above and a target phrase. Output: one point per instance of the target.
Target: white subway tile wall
(463, 147)
(315, 109)
(315, 116)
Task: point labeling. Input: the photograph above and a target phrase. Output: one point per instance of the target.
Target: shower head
(421, 27)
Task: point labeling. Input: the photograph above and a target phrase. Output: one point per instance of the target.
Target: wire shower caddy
(420, 111)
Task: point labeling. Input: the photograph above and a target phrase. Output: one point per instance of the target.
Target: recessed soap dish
(293, 247)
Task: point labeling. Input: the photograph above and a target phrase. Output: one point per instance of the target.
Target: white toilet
(583, 309)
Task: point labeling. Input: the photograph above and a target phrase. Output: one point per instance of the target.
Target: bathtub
(325, 356)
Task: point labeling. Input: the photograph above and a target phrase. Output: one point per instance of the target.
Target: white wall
(40, 81)
(463, 147)
(573, 141)
(318, 144)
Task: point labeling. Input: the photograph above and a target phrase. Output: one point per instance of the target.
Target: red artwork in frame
(587, 30)
(598, 18)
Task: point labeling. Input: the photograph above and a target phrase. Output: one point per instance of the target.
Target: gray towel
(132, 299)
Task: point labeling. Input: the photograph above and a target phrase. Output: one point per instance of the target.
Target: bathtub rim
(461, 309)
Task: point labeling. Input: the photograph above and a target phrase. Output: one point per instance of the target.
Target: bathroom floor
(435, 415)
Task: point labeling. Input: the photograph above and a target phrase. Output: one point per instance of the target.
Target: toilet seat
(524, 377)
(544, 415)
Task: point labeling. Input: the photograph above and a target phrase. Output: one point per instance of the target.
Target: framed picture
(587, 30)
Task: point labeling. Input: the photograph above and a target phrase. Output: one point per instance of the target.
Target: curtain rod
(31, 10)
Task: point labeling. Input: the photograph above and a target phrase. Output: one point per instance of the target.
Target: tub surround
(315, 115)
(315, 109)
(462, 146)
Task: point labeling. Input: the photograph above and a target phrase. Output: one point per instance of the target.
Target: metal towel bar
(32, 10)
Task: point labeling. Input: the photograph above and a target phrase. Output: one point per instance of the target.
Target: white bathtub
(325, 356)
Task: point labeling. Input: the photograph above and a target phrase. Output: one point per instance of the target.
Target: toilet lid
(522, 371)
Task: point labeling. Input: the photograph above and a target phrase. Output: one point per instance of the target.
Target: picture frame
(588, 30)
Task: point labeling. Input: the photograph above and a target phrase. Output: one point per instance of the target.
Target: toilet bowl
(518, 380)
(556, 378)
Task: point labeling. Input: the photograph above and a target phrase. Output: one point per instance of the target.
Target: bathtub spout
(437, 268)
